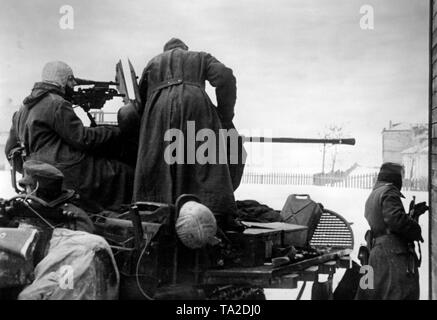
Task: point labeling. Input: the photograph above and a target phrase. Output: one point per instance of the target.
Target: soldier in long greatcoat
(173, 89)
(393, 232)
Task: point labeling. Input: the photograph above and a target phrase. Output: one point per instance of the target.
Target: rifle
(415, 211)
(94, 95)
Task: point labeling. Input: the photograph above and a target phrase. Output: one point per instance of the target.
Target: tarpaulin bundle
(78, 266)
(251, 210)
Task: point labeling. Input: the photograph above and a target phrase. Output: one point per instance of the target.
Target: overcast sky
(301, 65)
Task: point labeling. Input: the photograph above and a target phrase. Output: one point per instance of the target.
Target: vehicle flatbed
(285, 276)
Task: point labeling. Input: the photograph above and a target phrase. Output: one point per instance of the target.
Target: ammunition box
(255, 245)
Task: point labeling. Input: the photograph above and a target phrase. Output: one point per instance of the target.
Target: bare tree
(333, 131)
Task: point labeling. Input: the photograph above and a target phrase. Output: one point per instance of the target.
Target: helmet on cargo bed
(196, 225)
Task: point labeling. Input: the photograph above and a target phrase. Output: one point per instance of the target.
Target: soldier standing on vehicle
(48, 130)
(172, 89)
(391, 240)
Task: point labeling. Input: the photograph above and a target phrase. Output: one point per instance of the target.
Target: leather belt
(395, 238)
(385, 233)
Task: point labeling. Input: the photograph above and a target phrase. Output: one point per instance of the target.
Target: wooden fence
(277, 178)
(359, 181)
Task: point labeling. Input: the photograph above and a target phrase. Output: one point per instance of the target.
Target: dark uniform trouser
(395, 271)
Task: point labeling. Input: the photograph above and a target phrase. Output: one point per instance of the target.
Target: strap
(174, 82)
(63, 198)
(302, 289)
(22, 142)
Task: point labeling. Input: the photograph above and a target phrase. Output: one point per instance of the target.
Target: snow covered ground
(347, 202)
(6, 190)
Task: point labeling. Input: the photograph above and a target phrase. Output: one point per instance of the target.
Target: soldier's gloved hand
(419, 209)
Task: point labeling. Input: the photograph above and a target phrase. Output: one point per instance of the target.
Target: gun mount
(90, 94)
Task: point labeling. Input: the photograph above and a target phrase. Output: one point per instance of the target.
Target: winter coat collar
(39, 91)
(380, 184)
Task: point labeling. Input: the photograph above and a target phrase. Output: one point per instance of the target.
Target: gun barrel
(82, 82)
(348, 141)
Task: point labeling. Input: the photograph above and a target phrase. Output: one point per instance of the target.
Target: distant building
(415, 161)
(407, 144)
(399, 137)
